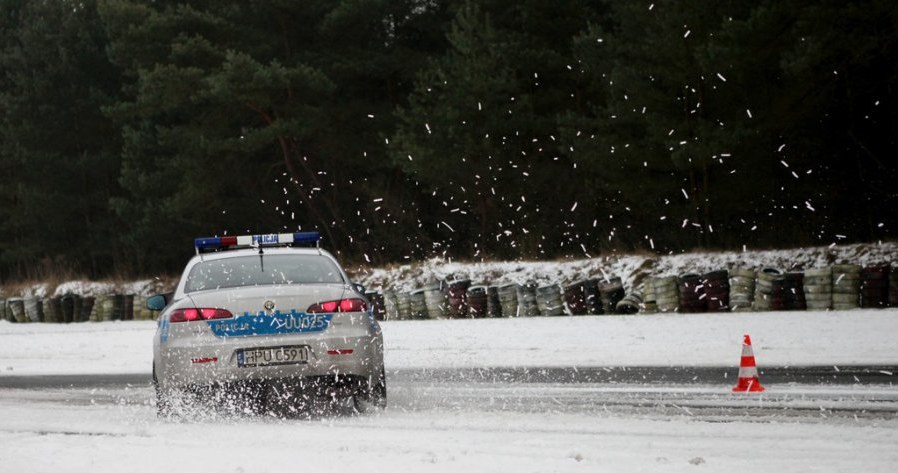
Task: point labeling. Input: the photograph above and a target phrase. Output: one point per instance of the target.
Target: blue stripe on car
(264, 324)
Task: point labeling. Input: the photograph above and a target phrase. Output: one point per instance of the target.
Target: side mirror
(358, 288)
(157, 302)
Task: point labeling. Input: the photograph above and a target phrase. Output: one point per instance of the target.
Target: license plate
(270, 356)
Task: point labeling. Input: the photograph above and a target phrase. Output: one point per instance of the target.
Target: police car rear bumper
(184, 365)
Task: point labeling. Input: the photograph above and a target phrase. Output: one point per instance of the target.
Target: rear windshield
(260, 270)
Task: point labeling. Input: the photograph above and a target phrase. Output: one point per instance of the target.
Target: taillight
(189, 315)
(342, 305)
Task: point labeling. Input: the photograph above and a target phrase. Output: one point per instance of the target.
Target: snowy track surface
(450, 422)
(451, 427)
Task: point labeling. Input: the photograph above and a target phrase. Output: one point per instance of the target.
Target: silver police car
(270, 318)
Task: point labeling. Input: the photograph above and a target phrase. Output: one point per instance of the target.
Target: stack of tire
(458, 298)
(508, 299)
(875, 286)
(649, 302)
(378, 304)
(527, 300)
(548, 300)
(692, 293)
(493, 304)
(477, 302)
(17, 309)
(435, 300)
(667, 294)
(391, 309)
(765, 281)
(34, 309)
(593, 297)
(893, 287)
(717, 290)
(417, 305)
(403, 306)
(575, 298)
(53, 310)
(818, 288)
(630, 304)
(790, 292)
(846, 286)
(742, 289)
(611, 292)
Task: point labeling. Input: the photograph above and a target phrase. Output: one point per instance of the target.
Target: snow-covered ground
(65, 431)
(448, 426)
(859, 337)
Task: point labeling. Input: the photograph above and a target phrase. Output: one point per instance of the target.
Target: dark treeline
(404, 129)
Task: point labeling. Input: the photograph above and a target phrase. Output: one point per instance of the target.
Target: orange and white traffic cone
(748, 370)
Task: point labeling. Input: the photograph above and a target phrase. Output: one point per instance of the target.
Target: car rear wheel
(374, 397)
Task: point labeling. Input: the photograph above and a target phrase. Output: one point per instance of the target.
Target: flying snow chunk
(721, 77)
(370, 116)
(748, 112)
(574, 207)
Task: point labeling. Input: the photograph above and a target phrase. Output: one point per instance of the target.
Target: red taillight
(343, 305)
(189, 315)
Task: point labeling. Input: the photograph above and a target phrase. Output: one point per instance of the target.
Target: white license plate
(269, 356)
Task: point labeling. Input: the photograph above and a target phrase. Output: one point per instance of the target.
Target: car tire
(163, 399)
(375, 397)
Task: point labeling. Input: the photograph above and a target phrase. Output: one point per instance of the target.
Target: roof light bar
(203, 245)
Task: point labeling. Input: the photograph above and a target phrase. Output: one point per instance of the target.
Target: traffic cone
(748, 370)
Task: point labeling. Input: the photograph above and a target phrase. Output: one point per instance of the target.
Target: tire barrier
(53, 310)
(630, 304)
(788, 292)
(742, 289)
(611, 292)
(527, 300)
(403, 306)
(575, 298)
(417, 305)
(87, 307)
(692, 294)
(391, 306)
(378, 305)
(34, 309)
(875, 286)
(593, 297)
(458, 298)
(818, 288)
(548, 300)
(68, 308)
(649, 303)
(893, 287)
(477, 302)
(764, 283)
(493, 304)
(17, 309)
(846, 286)
(667, 293)
(436, 301)
(838, 287)
(508, 299)
(717, 291)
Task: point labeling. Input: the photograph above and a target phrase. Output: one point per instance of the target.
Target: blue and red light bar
(256, 241)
